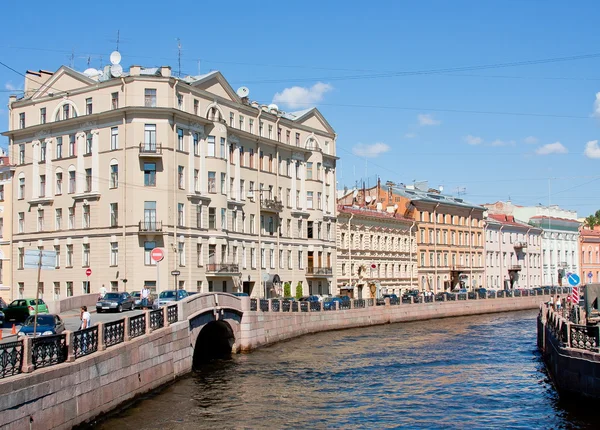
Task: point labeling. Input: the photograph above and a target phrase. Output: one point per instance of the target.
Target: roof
(373, 213)
(543, 217)
(589, 233)
(508, 220)
(298, 114)
(430, 197)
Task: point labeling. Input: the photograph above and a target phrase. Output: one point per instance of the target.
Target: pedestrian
(86, 318)
(551, 302)
(145, 295)
(557, 304)
(102, 291)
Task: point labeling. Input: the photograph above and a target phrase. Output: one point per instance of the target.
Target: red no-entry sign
(88, 272)
(157, 254)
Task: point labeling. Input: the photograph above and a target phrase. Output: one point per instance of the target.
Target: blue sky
(492, 132)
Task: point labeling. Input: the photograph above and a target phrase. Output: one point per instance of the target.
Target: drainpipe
(410, 251)
(350, 250)
(527, 260)
(435, 247)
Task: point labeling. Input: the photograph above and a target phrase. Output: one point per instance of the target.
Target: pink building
(589, 248)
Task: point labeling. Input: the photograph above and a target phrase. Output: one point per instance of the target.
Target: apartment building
(589, 242)
(239, 195)
(377, 252)
(6, 174)
(512, 253)
(560, 238)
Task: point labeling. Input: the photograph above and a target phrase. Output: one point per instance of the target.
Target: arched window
(65, 110)
(114, 174)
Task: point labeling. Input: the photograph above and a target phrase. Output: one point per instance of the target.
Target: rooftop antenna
(461, 191)
(72, 58)
(179, 56)
(118, 39)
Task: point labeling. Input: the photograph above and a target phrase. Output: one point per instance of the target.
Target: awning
(347, 287)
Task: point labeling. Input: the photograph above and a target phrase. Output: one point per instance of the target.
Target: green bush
(287, 290)
(299, 290)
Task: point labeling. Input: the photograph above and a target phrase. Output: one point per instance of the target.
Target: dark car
(392, 297)
(309, 299)
(115, 302)
(47, 325)
(330, 305)
(18, 310)
(240, 294)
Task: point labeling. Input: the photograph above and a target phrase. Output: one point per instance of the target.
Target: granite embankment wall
(71, 393)
(263, 328)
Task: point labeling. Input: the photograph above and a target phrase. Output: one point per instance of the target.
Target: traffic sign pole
(37, 294)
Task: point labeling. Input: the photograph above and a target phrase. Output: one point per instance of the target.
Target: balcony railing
(323, 271)
(150, 226)
(459, 267)
(150, 149)
(520, 245)
(272, 205)
(222, 268)
(515, 267)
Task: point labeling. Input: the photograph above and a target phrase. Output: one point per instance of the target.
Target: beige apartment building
(110, 165)
(377, 252)
(6, 173)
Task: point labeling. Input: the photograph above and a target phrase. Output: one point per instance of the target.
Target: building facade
(560, 238)
(512, 253)
(589, 246)
(376, 252)
(240, 196)
(6, 173)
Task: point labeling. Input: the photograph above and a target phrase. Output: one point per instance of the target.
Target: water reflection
(477, 372)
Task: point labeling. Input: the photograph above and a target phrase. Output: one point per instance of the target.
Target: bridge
(68, 379)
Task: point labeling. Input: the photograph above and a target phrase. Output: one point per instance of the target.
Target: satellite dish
(243, 92)
(355, 193)
(273, 106)
(441, 188)
(368, 199)
(116, 70)
(115, 57)
(92, 73)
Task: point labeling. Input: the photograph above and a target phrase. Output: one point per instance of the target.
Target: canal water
(472, 372)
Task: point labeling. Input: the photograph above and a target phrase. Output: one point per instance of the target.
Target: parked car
(1, 318)
(309, 299)
(18, 310)
(137, 300)
(115, 302)
(168, 296)
(329, 304)
(47, 325)
(390, 296)
(240, 294)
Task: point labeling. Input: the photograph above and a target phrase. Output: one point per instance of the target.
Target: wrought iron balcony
(520, 245)
(319, 271)
(514, 267)
(150, 150)
(271, 205)
(459, 268)
(150, 227)
(222, 269)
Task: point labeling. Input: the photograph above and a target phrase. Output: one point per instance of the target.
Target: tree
(299, 290)
(287, 290)
(590, 222)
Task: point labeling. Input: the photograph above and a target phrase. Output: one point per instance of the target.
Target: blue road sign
(590, 275)
(574, 279)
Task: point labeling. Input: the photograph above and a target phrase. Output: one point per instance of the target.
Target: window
(114, 176)
(86, 255)
(66, 109)
(270, 131)
(180, 177)
(223, 184)
(21, 226)
(71, 217)
(309, 230)
(181, 253)
(223, 218)
(309, 170)
(180, 146)
(21, 262)
(114, 214)
(242, 189)
(179, 101)
(150, 97)
(199, 255)
(210, 149)
(241, 122)
(43, 115)
(300, 260)
(231, 185)
(288, 198)
(212, 185)
(21, 194)
(150, 222)
(114, 253)
(231, 119)
(212, 221)
(279, 134)
(319, 204)
(251, 158)
(69, 289)
(263, 262)
(40, 220)
(260, 128)
(86, 216)
(22, 120)
(196, 106)
(22, 153)
(231, 151)
(43, 146)
(196, 180)
(297, 139)
(148, 247)
(58, 219)
(72, 181)
(198, 216)
(88, 106)
(297, 199)
(309, 199)
(223, 151)
(59, 147)
(150, 137)
(195, 143)
(252, 223)
(180, 215)
(42, 185)
(88, 180)
(72, 145)
(149, 174)
(114, 138)
(57, 258)
(88, 143)
(114, 100)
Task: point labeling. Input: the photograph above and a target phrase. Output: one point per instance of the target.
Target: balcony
(222, 269)
(520, 245)
(271, 205)
(319, 271)
(563, 264)
(150, 227)
(459, 268)
(514, 268)
(150, 150)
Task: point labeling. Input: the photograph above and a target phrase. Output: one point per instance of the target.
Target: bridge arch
(213, 335)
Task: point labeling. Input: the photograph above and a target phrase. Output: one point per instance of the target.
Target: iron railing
(137, 325)
(157, 319)
(11, 358)
(359, 303)
(295, 306)
(264, 305)
(315, 306)
(150, 148)
(303, 306)
(172, 314)
(48, 350)
(223, 268)
(319, 271)
(114, 333)
(584, 337)
(285, 305)
(275, 305)
(85, 341)
(253, 305)
(150, 226)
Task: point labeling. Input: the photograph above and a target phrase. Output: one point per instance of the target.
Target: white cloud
(597, 106)
(499, 142)
(426, 119)
(531, 140)
(10, 87)
(551, 148)
(473, 140)
(410, 135)
(370, 150)
(592, 150)
(298, 97)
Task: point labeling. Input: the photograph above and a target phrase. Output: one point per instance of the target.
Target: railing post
(270, 304)
(166, 317)
(101, 345)
(280, 305)
(337, 305)
(351, 303)
(70, 350)
(126, 336)
(320, 306)
(386, 301)
(27, 355)
(412, 300)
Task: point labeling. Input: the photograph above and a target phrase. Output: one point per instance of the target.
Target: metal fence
(137, 325)
(48, 350)
(253, 306)
(275, 306)
(157, 319)
(172, 314)
(114, 333)
(11, 358)
(85, 341)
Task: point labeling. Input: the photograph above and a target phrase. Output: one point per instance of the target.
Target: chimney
(135, 70)
(165, 71)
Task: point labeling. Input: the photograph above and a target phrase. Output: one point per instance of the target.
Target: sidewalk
(75, 313)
